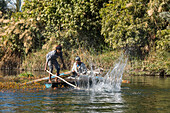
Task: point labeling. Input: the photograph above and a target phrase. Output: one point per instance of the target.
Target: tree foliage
(18, 39)
(134, 23)
(140, 26)
(73, 22)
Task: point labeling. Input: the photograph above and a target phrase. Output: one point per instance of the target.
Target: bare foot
(49, 81)
(56, 80)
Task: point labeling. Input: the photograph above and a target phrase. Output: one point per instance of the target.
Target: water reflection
(147, 94)
(107, 101)
(9, 72)
(82, 101)
(143, 94)
(6, 101)
(147, 97)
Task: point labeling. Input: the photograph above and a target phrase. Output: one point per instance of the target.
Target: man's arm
(62, 60)
(47, 60)
(84, 71)
(74, 69)
(45, 66)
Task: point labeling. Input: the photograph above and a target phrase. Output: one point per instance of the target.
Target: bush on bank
(140, 27)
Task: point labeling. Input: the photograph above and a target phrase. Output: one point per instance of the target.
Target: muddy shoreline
(16, 71)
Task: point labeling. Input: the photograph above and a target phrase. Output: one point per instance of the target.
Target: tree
(74, 23)
(133, 24)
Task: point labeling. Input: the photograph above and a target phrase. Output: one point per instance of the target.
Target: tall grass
(36, 61)
(154, 62)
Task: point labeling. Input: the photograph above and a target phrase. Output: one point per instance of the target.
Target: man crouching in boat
(79, 67)
(51, 59)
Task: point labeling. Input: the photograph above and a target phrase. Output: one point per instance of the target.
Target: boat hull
(60, 84)
(82, 81)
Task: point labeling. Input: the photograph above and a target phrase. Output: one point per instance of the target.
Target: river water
(142, 95)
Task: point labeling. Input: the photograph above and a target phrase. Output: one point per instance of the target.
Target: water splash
(112, 80)
(108, 83)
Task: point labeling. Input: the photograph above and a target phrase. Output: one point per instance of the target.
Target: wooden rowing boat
(80, 81)
(60, 84)
(69, 82)
(72, 80)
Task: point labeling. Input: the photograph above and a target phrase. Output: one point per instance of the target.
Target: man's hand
(45, 68)
(78, 74)
(64, 67)
(73, 71)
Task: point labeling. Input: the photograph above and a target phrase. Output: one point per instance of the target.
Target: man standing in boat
(79, 67)
(51, 59)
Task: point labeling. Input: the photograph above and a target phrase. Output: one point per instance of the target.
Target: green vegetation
(138, 25)
(25, 75)
(95, 30)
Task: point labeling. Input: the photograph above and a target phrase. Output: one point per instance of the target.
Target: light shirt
(81, 69)
(52, 55)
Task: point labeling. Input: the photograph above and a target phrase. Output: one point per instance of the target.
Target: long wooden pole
(63, 80)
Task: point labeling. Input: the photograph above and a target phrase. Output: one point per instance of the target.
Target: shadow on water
(9, 72)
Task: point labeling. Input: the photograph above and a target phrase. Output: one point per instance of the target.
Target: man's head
(58, 48)
(77, 59)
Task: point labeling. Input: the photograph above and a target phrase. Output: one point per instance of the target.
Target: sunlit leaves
(21, 36)
(163, 43)
(131, 23)
(71, 18)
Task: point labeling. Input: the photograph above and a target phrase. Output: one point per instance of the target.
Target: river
(144, 94)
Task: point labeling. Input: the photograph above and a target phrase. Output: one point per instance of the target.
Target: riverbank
(153, 65)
